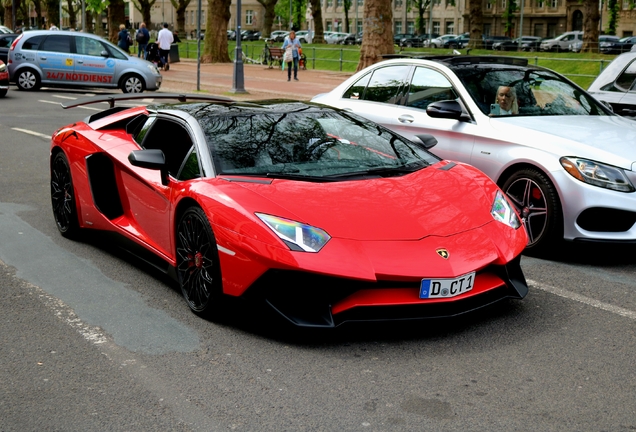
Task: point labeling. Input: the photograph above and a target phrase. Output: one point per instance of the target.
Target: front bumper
(310, 300)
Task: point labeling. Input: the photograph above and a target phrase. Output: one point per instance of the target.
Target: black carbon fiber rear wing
(111, 99)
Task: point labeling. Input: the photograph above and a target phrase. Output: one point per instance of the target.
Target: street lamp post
(238, 85)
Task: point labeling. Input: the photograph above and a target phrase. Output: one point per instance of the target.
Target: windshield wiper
(385, 171)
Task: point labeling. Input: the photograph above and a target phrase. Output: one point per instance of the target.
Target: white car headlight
(297, 236)
(597, 174)
(153, 69)
(3, 67)
(503, 212)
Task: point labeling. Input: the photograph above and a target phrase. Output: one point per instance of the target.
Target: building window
(487, 30)
(554, 4)
(397, 28)
(450, 27)
(538, 30)
(249, 15)
(436, 27)
(488, 5)
(329, 3)
(339, 3)
(503, 4)
(540, 4)
(410, 27)
(626, 4)
(359, 26)
(398, 4)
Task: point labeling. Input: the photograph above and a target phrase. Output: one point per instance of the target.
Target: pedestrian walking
(291, 57)
(143, 37)
(164, 40)
(123, 38)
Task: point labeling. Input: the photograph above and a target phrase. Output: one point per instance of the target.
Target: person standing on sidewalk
(123, 38)
(164, 40)
(293, 44)
(143, 37)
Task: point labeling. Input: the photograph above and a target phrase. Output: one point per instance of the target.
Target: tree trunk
(116, 16)
(72, 13)
(52, 13)
(215, 44)
(8, 14)
(591, 18)
(317, 15)
(270, 16)
(476, 14)
(378, 32)
(180, 6)
(145, 7)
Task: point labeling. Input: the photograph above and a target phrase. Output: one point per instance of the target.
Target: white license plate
(444, 288)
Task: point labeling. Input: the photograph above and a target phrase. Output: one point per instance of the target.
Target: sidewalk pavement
(260, 82)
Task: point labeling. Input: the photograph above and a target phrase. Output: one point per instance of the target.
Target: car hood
(608, 139)
(429, 202)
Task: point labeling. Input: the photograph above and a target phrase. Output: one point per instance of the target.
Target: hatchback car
(565, 160)
(318, 213)
(73, 59)
(562, 42)
(439, 41)
(278, 35)
(616, 85)
(528, 43)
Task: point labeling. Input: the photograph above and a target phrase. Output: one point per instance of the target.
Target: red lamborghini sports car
(320, 214)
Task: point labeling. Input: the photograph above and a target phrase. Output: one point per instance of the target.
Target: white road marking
(90, 108)
(65, 97)
(583, 299)
(30, 132)
(49, 102)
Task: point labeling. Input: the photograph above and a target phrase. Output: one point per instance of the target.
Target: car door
(623, 101)
(148, 198)
(92, 62)
(56, 59)
(374, 96)
(455, 139)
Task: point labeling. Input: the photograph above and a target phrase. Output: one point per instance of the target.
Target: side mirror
(448, 109)
(104, 53)
(151, 159)
(428, 140)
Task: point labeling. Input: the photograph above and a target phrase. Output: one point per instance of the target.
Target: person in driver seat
(505, 102)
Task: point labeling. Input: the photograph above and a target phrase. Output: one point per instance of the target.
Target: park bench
(275, 56)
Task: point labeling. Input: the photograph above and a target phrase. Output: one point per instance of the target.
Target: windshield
(531, 92)
(318, 145)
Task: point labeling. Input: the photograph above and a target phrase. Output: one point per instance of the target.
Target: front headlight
(297, 236)
(597, 174)
(153, 69)
(3, 67)
(503, 212)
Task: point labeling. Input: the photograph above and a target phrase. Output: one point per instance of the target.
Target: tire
(132, 83)
(198, 265)
(537, 202)
(63, 197)
(3, 93)
(28, 80)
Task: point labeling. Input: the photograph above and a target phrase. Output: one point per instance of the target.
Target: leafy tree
(298, 11)
(613, 9)
(508, 16)
(145, 7)
(52, 12)
(378, 32)
(95, 8)
(215, 44)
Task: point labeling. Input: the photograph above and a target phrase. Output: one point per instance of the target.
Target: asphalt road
(90, 339)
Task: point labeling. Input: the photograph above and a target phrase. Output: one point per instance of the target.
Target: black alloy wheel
(537, 202)
(63, 197)
(198, 263)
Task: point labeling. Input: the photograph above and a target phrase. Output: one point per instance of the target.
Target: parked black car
(489, 41)
(459, 42)
(528, 43)
(350, 39)
(417, 41)
(397, 38)
(250, 35)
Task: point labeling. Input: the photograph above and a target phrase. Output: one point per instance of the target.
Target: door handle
(43, 58)
(80, 62)
(406, 118)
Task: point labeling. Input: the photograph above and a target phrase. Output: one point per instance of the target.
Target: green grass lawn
(581, 68)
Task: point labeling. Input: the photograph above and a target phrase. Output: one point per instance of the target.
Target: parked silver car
(616, 85)
(564, 159)
(562, 42)
(73, 59)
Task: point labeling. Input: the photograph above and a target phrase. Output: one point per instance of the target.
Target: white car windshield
(537, 92)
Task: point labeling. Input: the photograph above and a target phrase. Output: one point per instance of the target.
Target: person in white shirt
(164, 40)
